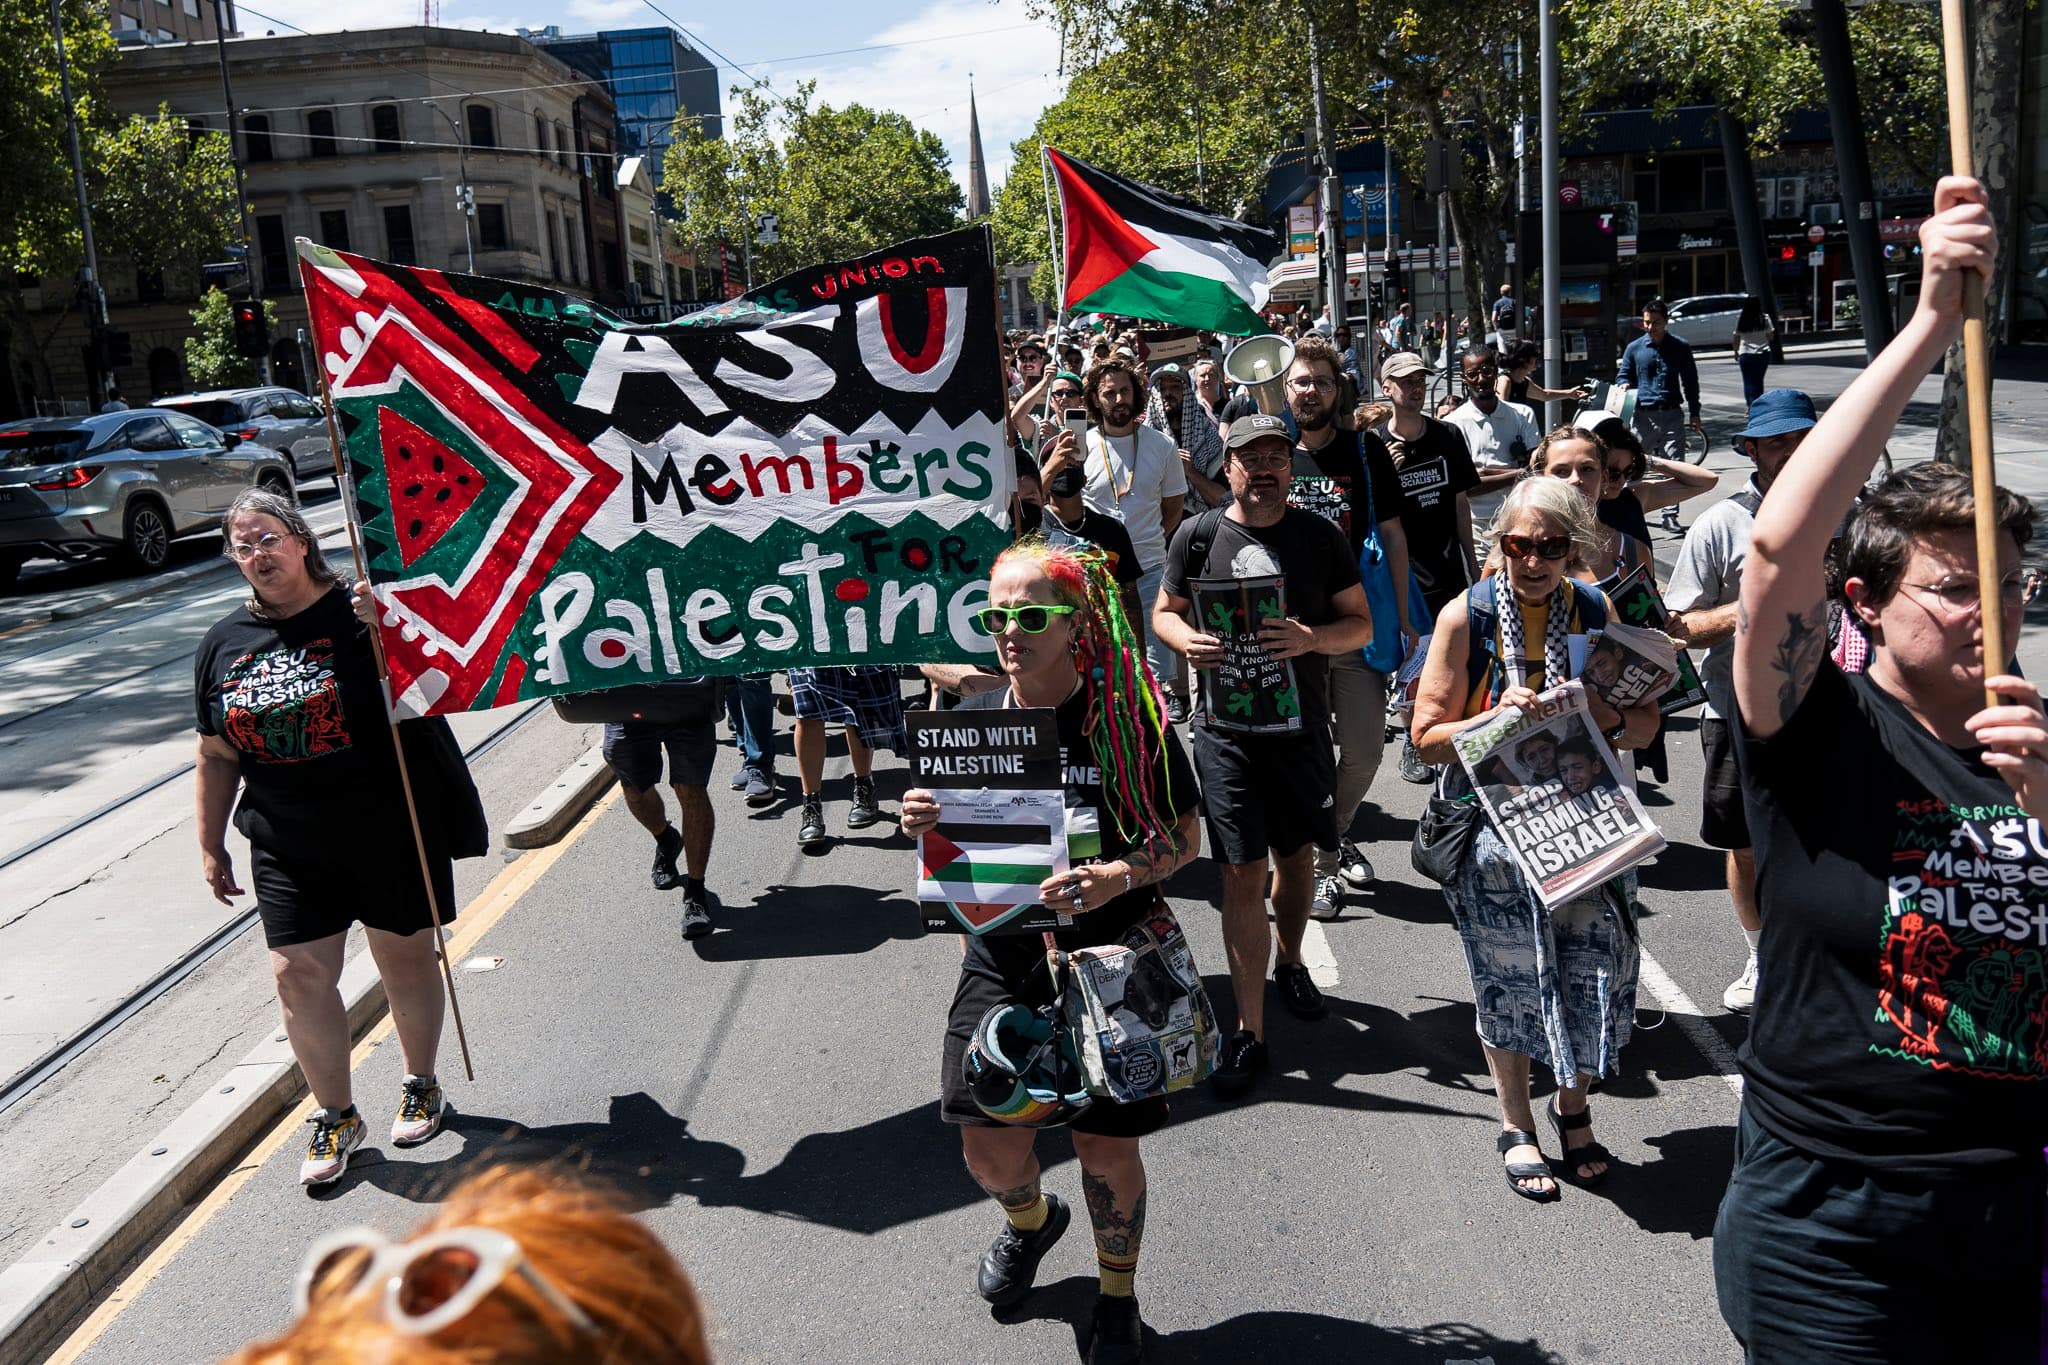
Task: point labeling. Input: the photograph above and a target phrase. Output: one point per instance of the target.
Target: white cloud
(1014, 74)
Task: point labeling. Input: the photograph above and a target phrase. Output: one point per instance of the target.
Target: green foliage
(160, 197)
(840, 182)
(210, 357)
(38, 214)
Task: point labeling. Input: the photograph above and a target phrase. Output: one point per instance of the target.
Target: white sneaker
(1329, 894)
(327, 1154)
(1741, 993)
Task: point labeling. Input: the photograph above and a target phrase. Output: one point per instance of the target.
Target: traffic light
(115, 348)
(250, 338)
(1377, 292)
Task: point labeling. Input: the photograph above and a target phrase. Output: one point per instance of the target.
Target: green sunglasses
(1032, 619)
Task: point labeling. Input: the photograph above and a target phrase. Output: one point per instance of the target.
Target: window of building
(1643, 189)
(483, 129)
(574, 232)
(164, 35)
(192, 9)
(384, 130)
(334, 229)
(129, 22)
(256, 138)
(491, 233)
(562, 141)
(275, 253)
(542, 134)
(557, 269)
(399, 245)
(1714, 187)
(320, 134)
(614, 275)
(195, 128)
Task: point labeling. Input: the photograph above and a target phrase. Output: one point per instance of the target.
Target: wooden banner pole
(1976, 356)
(343, 486)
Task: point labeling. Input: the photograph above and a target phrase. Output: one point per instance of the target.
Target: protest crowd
(1233, 592)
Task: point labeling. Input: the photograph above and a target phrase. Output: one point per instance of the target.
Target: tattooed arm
(1161, 860)
(1781, 626)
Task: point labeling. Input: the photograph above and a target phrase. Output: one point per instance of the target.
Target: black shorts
(1266, 793)
(304, 900)
(983, 986)
(1723, 822)
(633, 750)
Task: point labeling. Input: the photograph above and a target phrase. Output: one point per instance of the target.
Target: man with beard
(1269, 793)
(1348, 479)
(1499, 435)
(1134, 474)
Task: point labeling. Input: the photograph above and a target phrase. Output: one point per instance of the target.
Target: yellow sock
(1030, 1217)
(1117, 1275)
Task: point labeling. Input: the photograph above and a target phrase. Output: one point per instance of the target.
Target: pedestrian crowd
(1883, 827)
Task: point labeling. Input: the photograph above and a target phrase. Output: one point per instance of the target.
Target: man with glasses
(1499, 435)
(1031, 358)
(1268, 794)
(1706, 583)
(1347, 478)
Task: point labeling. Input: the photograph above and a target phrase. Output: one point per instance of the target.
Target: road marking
(1672, 999)
(1317, 957)
(477, 919)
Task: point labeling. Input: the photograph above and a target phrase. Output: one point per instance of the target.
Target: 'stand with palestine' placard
(1250, 690)
(1002, 817)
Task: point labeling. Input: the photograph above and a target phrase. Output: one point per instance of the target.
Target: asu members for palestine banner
(553, 501)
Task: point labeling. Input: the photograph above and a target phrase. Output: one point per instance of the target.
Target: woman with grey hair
(1555, 984)
(291, 713)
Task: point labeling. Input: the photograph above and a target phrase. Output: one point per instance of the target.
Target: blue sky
(923, 74)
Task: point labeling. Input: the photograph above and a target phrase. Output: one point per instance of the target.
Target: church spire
(978, 205)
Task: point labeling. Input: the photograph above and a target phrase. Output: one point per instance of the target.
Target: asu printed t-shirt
(1901, 1019)
(300, 702)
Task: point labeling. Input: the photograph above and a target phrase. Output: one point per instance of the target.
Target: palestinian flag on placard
(1143, 253)
(988, 863)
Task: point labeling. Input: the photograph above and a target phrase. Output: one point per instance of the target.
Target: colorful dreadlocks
(1126, 719)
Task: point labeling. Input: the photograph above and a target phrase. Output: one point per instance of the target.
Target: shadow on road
(810, 921)
(1281, 1335)
(1681, 1190)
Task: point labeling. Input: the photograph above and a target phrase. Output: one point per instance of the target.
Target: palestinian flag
(991, 864)
(1143, 253)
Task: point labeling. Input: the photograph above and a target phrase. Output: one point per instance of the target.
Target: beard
(1315, 421)
(1119, 414)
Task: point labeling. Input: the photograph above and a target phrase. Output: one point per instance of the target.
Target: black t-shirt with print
(1349, 482)
(300, 701)
(1308, 551)
(1433, 469)
(1099, 529)
(1901, 1017)
(1092, 832)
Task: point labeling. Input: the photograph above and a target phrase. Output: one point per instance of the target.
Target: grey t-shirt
(1709, 574)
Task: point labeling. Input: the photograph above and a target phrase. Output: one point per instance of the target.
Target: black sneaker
(1012, 1258)
(863, 812)
(696, 910)
(667, 845)
(1244, 1057)
(1117, 1336)
(1298, 992)
(811, 832)
(1176, 708)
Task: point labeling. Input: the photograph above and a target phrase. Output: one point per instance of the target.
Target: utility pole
(89, 276)
(465, 196)
(1553, 243)
(1329, 187)
(1519, 272)
(252, 257)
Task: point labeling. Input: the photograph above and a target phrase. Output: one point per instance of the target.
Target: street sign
(768, 230)
(1816, 259)
(222, 270)
(239, 250)
(1817, 233)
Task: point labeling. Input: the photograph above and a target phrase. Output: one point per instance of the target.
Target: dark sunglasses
(1550, 547)
(1032, 619)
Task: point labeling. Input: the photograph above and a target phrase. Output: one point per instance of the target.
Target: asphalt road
(765, 1097)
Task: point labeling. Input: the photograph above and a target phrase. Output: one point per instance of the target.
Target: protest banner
(1553, 792)
(1002, 826)
(553, 501)
(1637, 602)
(1249, 691)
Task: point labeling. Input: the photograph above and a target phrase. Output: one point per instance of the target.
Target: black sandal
(1575, 1157)
(1518, 1171)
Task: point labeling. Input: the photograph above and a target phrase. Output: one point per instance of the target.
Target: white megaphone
(1260, 364)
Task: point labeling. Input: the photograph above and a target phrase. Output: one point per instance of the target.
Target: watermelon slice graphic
(431, 486)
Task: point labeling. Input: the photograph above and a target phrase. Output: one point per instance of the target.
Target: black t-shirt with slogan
(1092, 832)
(1901, 1016)
(1433, 470)
(1348, 481)
(300, 701)
(1306, 550)
(1099, 529)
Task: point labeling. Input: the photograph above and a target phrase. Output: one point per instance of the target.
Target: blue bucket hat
(1777, 412)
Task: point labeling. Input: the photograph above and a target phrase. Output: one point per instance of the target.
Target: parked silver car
(283, 419)
(126, 483)
(1707, 319)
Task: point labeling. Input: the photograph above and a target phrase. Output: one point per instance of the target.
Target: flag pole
(1976, 357)
(343, 486)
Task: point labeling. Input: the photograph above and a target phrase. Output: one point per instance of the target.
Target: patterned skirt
(867, 697)
(1556, 985)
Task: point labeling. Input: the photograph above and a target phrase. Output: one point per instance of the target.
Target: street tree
(210, 356)
(143, 167)
(839, 181)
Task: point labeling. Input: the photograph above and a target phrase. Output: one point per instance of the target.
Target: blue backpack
(1482, 609)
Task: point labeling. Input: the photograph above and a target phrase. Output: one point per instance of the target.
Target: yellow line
(476, 920)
